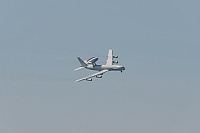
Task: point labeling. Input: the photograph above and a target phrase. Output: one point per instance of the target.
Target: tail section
(81, 67)
(82, 62)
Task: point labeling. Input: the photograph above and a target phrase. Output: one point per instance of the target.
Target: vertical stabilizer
(82, 62)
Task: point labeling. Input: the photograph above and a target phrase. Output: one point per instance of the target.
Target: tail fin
(82, 62)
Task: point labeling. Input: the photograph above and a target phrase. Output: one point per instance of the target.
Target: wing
(93, 75)
(110, 58)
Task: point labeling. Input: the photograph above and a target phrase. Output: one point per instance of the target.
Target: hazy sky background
(157, 41)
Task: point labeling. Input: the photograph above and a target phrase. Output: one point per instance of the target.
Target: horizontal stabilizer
(78, 68)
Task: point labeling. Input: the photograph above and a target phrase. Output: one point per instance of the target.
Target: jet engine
(89, 79)
(115, 56)
(115, 62)
(99, 76)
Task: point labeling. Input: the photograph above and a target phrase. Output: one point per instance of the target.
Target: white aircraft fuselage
(106, 67)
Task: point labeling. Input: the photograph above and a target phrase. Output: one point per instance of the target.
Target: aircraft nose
(123, 68)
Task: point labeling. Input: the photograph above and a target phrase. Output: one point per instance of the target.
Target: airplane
(91, 65)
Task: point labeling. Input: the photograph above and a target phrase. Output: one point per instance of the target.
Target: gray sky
(157, 41)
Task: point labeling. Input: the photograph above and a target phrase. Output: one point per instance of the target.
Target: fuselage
(106, 67)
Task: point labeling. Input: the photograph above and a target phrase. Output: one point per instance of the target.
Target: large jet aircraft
(91, 65)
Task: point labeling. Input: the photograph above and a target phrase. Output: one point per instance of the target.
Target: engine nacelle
(115, 62)
(99, 76)
(89, 79)
(115, 56)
